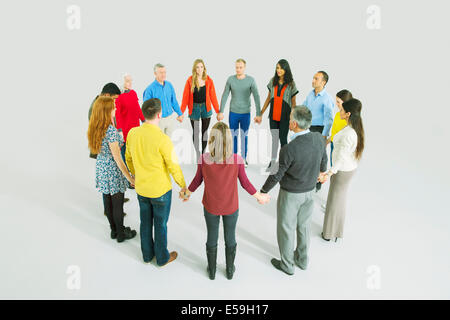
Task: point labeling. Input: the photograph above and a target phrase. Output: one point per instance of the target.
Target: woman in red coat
(199, 95)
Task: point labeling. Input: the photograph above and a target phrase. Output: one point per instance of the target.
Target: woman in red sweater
(198, 95)
(220, 170)
(128, 111)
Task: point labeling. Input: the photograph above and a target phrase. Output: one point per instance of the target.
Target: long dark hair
(288, 79)
(344, 95)
(354, 107)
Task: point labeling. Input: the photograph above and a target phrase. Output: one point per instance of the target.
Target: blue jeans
(155, 212)
(241, 120)
(331, 153)
(122, 152)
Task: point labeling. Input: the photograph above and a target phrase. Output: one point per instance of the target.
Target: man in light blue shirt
(163, 90)
(321, 105)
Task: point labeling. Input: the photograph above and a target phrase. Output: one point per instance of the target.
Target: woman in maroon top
(220, 170)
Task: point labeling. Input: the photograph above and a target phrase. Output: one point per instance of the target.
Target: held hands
(184, 194)
(258, 119)
(131, 181)
(323, 177)
(180, 118)
(262, 198)
(220, 116)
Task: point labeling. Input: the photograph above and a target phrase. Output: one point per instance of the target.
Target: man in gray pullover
(301, 161)
(241, 87)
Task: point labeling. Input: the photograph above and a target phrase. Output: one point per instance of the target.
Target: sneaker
(173, 256)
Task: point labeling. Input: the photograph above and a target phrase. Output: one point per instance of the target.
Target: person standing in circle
(348, 149)
(281, 96)
(338, 123)
(241, 87)
(111, 173)
(198, 95)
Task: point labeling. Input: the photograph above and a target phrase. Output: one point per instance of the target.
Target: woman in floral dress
(111, 174)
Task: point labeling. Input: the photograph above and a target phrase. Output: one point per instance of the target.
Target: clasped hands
(257, 119)
(323, 177)
(262, 198)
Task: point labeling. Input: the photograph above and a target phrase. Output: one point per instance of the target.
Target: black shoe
(230, 254)
(127, 234)
(124, 214)
(126, 200)
(277, 264)
(211, 254)
(113, 234)
(130, 187)
(323, 237)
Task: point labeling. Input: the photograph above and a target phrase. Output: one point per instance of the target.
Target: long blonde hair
(99, 122)
(195, 76)
(220, 142)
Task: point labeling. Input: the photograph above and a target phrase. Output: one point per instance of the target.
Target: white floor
(387, 252)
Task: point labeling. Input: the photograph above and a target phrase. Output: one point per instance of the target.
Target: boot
(211, 254)
(230, 254)
(126, 234)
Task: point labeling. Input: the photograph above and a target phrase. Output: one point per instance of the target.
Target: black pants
(318, 129)
(114, 210)
(279, 130)
(195, 132)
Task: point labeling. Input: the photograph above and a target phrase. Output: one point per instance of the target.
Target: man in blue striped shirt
(163, 90)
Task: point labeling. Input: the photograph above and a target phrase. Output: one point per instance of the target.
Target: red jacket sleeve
(136, 104)
(213, 96)
(186, 94)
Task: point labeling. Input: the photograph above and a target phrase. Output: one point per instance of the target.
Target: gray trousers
(294, 212)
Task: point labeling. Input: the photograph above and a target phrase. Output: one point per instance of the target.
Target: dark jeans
(114, 210)
(229, 228)
(155, 212)
(122, 152)
(279, 130)
(331, 153)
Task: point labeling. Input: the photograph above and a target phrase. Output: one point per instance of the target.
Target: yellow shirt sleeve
(171, 160)
(128, 158)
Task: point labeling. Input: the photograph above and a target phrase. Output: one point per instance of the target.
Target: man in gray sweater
(301, 161)
(241, 87)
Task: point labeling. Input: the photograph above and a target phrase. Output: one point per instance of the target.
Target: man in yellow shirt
(151, 158)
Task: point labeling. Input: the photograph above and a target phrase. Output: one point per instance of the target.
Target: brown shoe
(173, 256)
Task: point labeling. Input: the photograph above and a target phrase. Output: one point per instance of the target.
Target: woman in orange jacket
(199, 94)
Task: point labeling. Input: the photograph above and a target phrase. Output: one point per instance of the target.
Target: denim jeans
(331, 153)
(155, 213)
(229, 228)
(243, 121)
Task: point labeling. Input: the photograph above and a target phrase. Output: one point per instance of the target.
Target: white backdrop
(398, 216)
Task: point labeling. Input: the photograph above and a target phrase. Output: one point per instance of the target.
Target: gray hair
(303, 116)
(158, 65)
